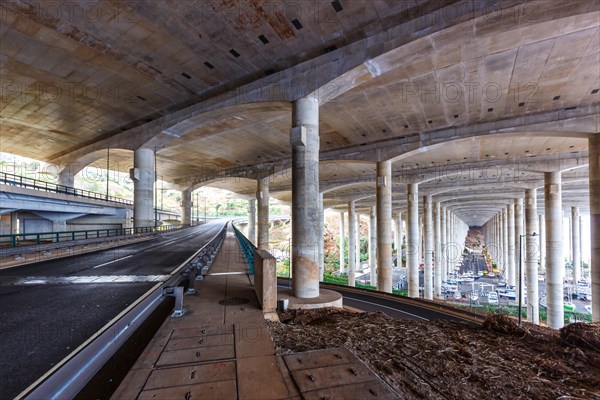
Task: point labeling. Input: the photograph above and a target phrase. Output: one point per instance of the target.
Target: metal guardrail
(69, 376)
(29, 239)
(247, 248)
(23, 181)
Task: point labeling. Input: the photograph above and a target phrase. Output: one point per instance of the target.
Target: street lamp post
(520, 273)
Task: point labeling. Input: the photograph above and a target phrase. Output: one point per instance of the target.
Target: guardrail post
(192, 277)
(176, 292)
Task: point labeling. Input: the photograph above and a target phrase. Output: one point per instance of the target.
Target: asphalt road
(42, 323)
(392, 308)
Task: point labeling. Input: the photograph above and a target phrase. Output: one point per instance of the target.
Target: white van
(492, 297)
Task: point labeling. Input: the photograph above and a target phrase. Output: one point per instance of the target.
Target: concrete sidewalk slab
(219, 349)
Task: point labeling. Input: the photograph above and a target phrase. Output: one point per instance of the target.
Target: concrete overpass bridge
(456, 113)
(32, 206)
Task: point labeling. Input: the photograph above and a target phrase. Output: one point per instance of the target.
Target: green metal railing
(247, 249)
(28, 239)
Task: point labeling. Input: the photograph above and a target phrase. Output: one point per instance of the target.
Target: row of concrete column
(442, 237)
(540, 240)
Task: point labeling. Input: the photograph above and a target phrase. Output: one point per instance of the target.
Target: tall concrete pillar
(373, 245)
(384, 226)
(421, 240)
(351, 243)
(397, 244)
(519, 252)
(504, 269)
(321, 238)
(186, 207)
(449, 243)
(532, 252)
(594, 157)
(412, 241)
(400, 240)
(263, 196)
(66, 176)
(437, 239)
(357, 244)
(252, 220)
(554, 249)
(342, 243)
(143, 176)
(428, 233)
(499, 241)
(304, 139)
(510, 214)
(542, 240)
(443, 236)
(576, 245)
(570, 230)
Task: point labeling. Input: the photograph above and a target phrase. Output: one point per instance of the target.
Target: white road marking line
(110, 262)
(390, 308)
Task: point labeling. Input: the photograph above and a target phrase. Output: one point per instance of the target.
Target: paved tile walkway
(220, 349)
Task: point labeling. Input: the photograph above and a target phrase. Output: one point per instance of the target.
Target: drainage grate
(234, 301)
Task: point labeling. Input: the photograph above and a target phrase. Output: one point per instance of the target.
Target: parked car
(492, 297)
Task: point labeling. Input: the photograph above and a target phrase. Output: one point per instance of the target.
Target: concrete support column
(449, 243)
(186, 207)
(384, 226)
(351, 244)
(594, 157)
(443, 248)
(421, 240)
(437, 239)
(143, 177)
(428, 233)
(576, 245)
(510, 214)
(59, 225)
(342, 243)
(554, 249)
(504, 269)
(263, 196)
(252, 220)
(542, 240)
(357, 244)
(397, 245)
(66, 176)
(400, 239)
(532, 255)
(570, 230)
(321, 238)
(304, 139)
(412, 242)
(499, 241)
(519, 253)
(373, 245)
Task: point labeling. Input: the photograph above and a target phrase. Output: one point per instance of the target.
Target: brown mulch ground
(455, 360)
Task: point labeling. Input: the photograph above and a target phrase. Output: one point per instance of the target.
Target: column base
(326, 298)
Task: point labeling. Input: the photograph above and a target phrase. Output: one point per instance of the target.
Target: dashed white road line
(113, 261)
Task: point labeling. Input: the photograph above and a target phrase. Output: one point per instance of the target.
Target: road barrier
(248, 248)
(23, 181)
(39, 238)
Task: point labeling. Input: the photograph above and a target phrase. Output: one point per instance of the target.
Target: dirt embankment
(453, 360)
